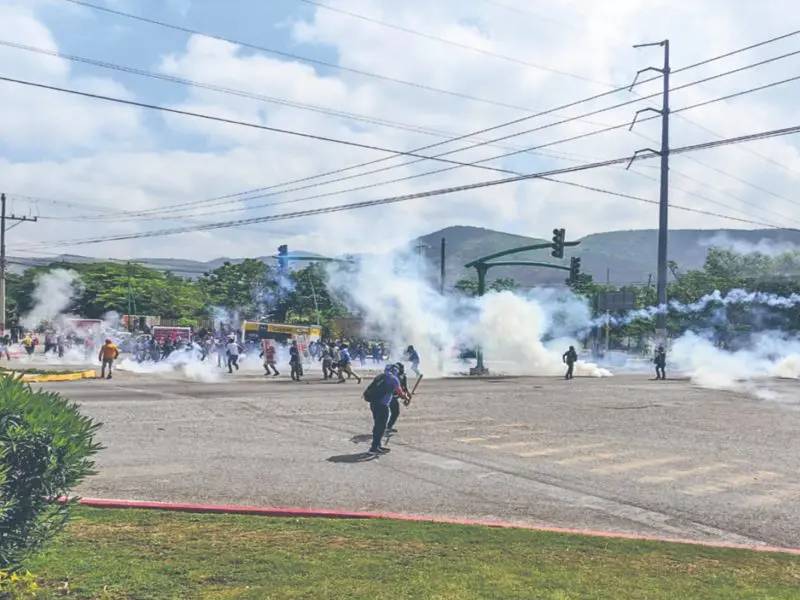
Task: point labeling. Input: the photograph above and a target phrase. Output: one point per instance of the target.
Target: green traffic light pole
(482, 266)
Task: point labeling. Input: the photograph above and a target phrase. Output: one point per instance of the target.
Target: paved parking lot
(622, 454)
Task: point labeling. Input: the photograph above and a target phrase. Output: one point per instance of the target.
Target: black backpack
(377, 389)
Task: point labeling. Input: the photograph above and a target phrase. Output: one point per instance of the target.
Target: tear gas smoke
(399, 304)
(771, 354)
(52, 296)
(716, 298)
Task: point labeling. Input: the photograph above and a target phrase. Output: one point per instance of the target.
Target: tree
(119, 287)
(468, 286)
(309, 300)
(248, 287)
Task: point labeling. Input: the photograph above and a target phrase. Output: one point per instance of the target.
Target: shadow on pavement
(352, 458)
(362, 438)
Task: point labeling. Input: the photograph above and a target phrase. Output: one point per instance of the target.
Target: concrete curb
(37, 378)
(236, 509)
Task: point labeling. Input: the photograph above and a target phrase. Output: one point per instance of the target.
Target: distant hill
(627, 256)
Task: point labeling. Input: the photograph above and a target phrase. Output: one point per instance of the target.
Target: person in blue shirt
(346, 365)
(413, 357)
(380, 408)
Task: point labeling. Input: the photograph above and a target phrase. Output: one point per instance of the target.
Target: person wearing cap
(108, 353)
(394, 405)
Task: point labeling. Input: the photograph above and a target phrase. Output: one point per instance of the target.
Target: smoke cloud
(399, 304)
(52, 296)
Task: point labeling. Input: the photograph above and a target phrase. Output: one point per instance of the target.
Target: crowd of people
(53, 343)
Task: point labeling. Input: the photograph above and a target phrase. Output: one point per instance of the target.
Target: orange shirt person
(108, 352)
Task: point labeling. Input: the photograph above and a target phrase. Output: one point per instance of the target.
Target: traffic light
(558, 243)
(574, 269)
(283, 258)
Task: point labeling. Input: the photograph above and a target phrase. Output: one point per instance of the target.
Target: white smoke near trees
(399, 303)
(52, 296)
(770, 354)
(763, 246)
(735, 296)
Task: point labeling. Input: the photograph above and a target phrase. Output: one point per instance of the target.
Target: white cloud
(110, 153)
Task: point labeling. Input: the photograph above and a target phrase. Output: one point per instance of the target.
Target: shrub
(45, 450)
(18, 586)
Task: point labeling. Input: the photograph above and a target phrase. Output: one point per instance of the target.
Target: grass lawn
(113, 554)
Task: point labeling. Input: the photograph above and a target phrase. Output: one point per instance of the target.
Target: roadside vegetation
(122, 554)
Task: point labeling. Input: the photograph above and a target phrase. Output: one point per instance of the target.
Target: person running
(232, 350)
(394, 405)
(660, 361)
(346, 365)
(570, 357)
(379, 405)
(413, 357)
(326, 357)
(27, 343)
(4, 343)
(295, 362)
(269, 357)
(108, 353)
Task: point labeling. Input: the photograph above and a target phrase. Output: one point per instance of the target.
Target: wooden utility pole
(3, 219)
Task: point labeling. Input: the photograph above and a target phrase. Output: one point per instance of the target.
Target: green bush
(46, 447)
(18, 586)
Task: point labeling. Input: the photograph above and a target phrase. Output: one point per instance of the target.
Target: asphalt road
(623, 454)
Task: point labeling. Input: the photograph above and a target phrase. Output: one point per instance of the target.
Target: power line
(450, 168)
(596, 96)
(444, 191)
(219, 119)
(160, 212)
(453, 43)
(380, 121)
(223, 199)
(298, 57)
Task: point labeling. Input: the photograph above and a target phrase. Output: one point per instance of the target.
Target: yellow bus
(255, 331)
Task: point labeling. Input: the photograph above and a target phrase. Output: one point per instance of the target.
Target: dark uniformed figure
(394, 404)
(570, 357)
(660, 361)
(295, 361)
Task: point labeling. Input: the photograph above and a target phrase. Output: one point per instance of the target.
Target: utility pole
(663, 200)
(441, 266)
(608, 313)
(3, 219)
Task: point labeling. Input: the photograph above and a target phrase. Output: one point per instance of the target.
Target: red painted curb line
(263, 511)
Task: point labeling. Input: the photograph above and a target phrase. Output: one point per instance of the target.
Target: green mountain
(623, 256)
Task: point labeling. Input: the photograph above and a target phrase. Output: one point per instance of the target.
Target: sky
(90, 168)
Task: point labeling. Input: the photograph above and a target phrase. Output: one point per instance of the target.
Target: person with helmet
(295, 362)
(379, 406)
(570, 357)
(660, 361)
(394, 404)
(108, 353)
